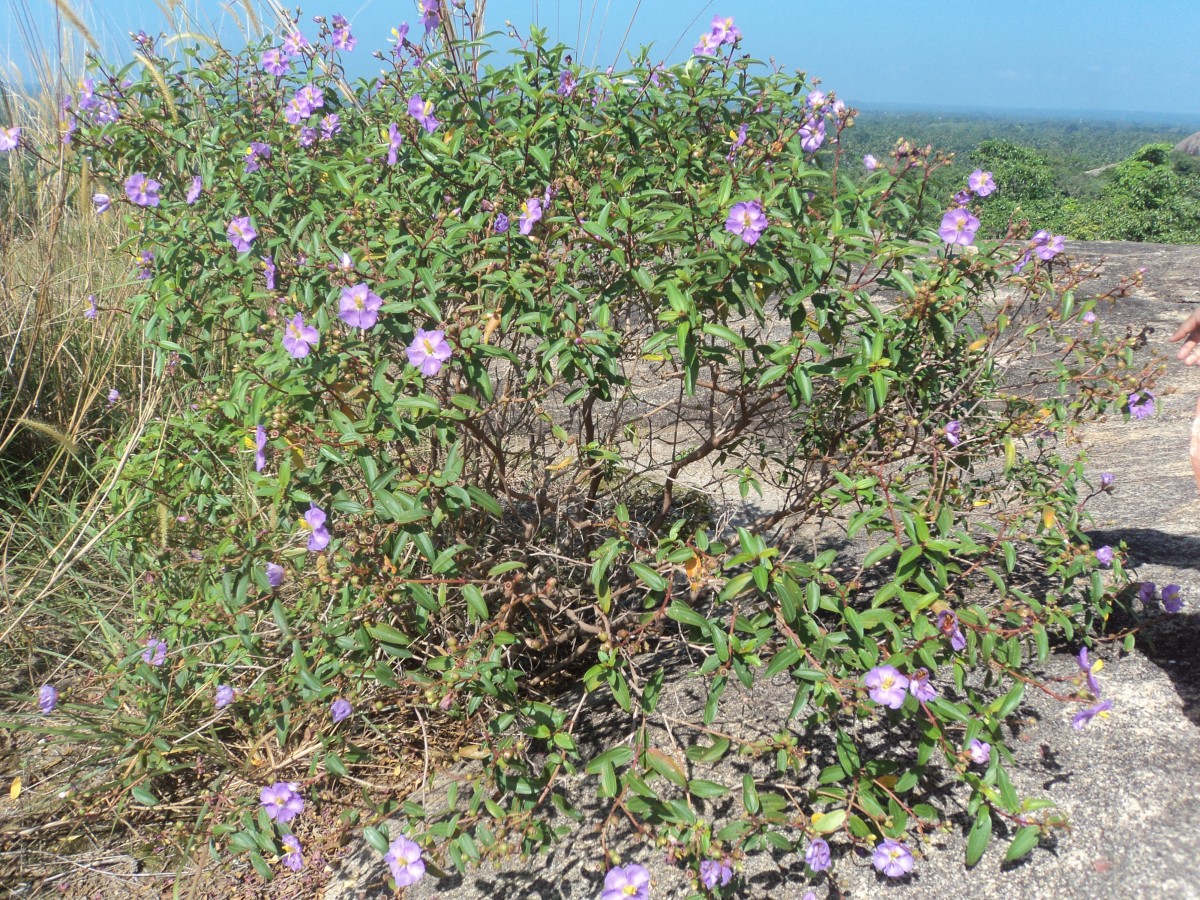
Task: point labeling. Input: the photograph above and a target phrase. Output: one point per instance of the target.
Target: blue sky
(1066, 55)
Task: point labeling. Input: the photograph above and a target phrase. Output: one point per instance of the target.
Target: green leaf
(475, 602)
(828, 822)
(706, 790)
(260, 866)
(614, 756)
(143, 796)
(749, 794)
(1023, 841)
(377, 837)
(648, 576)
(667, 767)
(981, 833)
(784, 659)
(335, 766)
(681, 612)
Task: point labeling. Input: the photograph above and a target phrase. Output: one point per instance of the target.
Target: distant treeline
(1146, 191)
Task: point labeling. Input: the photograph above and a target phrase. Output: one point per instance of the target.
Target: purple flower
(141, 191)
(308, 136)
(193, 193)
(47, 698)
(340, 710)
(294, 44)
(404, 859)
(260, 448)
(812, 134)
(1050, 247)
(395, 139)
(274, 61)
(91, 312)
(531, 212)
(981, 182)
(312, 97)
(963, 198)
(106, 112)
(566, 83)
(147, 270)
(254, 153)
(501, 225)
(870, 163)
(809, 895)
(1021, 263)
(274, 574)
(103, 203)
(315, 520)
(920, 687)
(241, 233)
(1084, 716)
(87, 94)
(269, 271)
(817, 855)
(67, 126)
(422, 111)
(1141, 404)
(1089, 670)
(298, 338)
(295, 111)
(747, 220)
(739, 141)
(1106, 480)
(359, 307)
(1104, 556)
(1088, 318)
(430, 14)
(282, 801)
(155, 653)
(723, 30)
(114, 395)
(428, 351)
(953, 431)
(224, 696)
(631, 882)
(1147, 591)
(330, 125)
(398, 37)
(958, 227)
(1171, 600)
(343, 39)
(10, 138)
(947, 623)
(707, 45)
(892, 858)
(886, 686)
(292, 859)
(979, 751)
(714, 873)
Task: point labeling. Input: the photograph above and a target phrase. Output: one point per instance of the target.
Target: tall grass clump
(466, 357)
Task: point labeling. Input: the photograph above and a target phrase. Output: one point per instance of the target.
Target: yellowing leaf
(14, 790)
(1048, 517)
(978, 344)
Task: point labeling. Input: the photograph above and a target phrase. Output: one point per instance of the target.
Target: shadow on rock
(1173, 644)
(1153, 547)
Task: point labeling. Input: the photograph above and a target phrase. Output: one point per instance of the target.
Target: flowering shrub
(432, 470)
